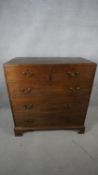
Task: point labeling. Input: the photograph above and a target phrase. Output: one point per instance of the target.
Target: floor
(49, 152)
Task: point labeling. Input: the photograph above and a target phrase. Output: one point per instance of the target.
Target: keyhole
(50, 77)
(50, 73)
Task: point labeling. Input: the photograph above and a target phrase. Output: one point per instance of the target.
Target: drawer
(61, 104)
(33, 89)
(77, 73)
(27, 73)
(48, 120)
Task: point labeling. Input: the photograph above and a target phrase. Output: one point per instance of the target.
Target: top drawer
(26, 72)
(72, 73)
(53, 73)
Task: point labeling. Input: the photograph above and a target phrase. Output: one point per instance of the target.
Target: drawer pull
(28, 74)
(77, 88)
(71, 89)
(77, 73)
(72, 74)
(28, 106)
(74, 89)
(26, 90)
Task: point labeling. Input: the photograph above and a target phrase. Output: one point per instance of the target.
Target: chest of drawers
(49, 93)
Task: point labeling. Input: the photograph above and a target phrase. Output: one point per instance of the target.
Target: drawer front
(48, 119)
(49, 105)
(27, 73)
(30, 89)
(77, 73)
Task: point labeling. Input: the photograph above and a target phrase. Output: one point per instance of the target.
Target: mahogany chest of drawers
(49, 93)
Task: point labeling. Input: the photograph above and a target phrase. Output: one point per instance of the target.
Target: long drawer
(49, 104)
(32, 89)
(48, 119)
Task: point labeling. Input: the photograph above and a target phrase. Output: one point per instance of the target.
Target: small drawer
(27, 73)
(73, 73)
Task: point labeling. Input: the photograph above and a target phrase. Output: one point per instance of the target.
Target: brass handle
(78, 88)
(77, 73)
(72, 74)
(28, 106)
(71, 89)
(26, 90)
(74, 89)
(28, 74)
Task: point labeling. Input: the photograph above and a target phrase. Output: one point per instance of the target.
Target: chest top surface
(48, 60)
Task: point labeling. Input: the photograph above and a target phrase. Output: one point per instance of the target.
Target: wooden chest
(49, 93)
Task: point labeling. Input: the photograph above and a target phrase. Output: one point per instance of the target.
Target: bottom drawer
(48, 120)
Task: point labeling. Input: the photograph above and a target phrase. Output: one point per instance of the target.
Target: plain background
(48, 28)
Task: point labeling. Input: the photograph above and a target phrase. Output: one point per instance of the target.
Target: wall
(48, 28)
